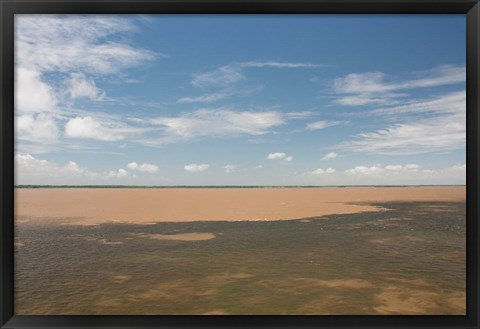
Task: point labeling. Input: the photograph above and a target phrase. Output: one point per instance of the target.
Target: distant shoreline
(229, 186)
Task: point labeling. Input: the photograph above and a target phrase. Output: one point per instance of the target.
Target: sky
(240, 99)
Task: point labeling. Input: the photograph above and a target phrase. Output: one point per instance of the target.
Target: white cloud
(99, 129)
(443, 129)
(80, 86)
(373, 87)
(195, 167)
(276, 156)
(72, 48)
(320, 124)
(281, 65)
(207, 98)
(75, 43)
(298, 115)
(394, 167)
(73, 167)
(454, 102)
(330, 156)
(321, 171)
(384, 170)
(460, 167)
(145, 167)
(230, 168)
(391, 174)
(230, 74)
(36, 128)
(409, 174)
(26, 162)
(118, 174)
(279, 156)
(412, 167)
(132, 165)
(364, 170)
(439, 76)
(222, 77)
(30, 170)
(214, 123)
(435, 134)
(32, 93)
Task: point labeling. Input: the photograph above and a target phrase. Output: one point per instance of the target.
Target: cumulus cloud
(31, 170)
(118, 174)
(195, 167)
(383, 170)
(276, 156)
(391, 174)
(35, 171)
(79, 86)
(32, 93)
(230, 168)
(330, 156)
(73, 49)
(364, 170)
(279, 156)
(460, 167)
(145, 167)
(36, 127)
(406, 174)
(320, 171)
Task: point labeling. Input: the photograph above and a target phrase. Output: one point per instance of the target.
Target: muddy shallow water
(408, 259)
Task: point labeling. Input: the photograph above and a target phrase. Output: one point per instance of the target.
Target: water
(407, 260)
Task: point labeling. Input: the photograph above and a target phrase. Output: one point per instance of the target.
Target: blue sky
(240, 100)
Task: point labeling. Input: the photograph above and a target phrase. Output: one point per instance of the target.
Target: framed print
(221, 164)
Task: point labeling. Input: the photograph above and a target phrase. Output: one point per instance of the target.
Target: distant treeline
(218, 186)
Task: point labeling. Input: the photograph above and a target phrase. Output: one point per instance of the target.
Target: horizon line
(230, 186)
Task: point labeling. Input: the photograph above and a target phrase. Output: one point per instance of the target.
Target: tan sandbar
(178, 237)
(91, 206)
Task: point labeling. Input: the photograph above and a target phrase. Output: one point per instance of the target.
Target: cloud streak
(322, 124)
(214, 123)
(444, 130)
(76, 43)
(94, 128)
(357, 89)
(231, 74)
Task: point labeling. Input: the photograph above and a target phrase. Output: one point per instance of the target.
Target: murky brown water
(407, 260)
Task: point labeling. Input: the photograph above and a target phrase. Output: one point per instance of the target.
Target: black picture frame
(8, 8)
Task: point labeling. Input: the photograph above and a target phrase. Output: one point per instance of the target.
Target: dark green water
(407, 260)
